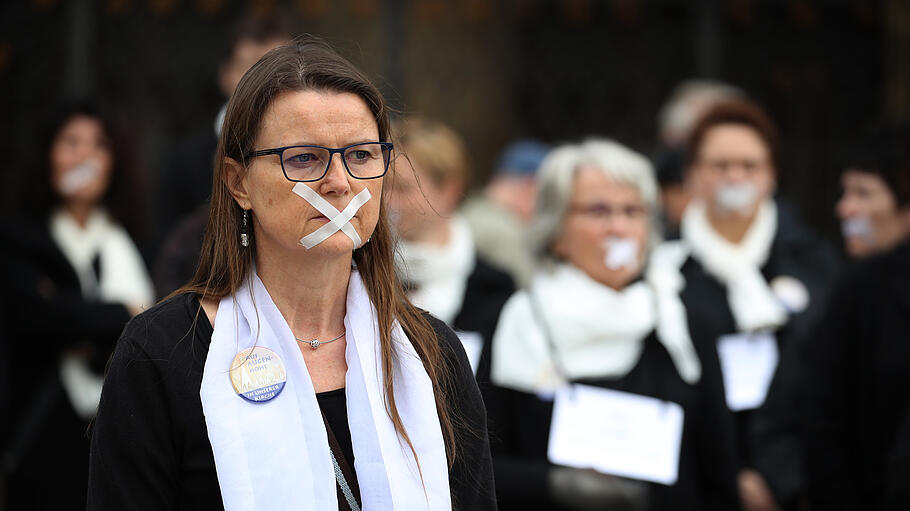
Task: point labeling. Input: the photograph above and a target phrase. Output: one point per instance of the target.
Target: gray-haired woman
(593, 341)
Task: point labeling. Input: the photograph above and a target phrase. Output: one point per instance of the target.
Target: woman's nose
(736, 173)
(617, 224)
(845, 207)
(336, 178)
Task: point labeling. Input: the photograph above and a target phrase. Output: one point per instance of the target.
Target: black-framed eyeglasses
(306, 163)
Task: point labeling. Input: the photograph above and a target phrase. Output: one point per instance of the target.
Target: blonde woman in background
(436, 256)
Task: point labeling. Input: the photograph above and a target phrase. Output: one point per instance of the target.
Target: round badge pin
(791, 292)
(258, 374)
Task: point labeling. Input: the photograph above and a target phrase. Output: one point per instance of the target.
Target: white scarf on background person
(439, 274)
(275, 455)
(122, 279)
(598, 332)
(738, 267)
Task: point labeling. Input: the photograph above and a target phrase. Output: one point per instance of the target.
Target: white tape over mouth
(621, 253)
(859, 228)
(736, 197)
(79, 176)
(338, 220)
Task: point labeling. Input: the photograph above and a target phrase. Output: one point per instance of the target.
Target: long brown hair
(309, 64)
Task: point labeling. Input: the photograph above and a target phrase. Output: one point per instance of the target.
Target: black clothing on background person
(487, 291)
(858, 412)
(48, 314)
(768, 437)
(176, 262)
(157, 406)
(185, 181)
(520, 429)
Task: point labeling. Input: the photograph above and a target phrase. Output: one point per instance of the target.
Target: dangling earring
(244, 232)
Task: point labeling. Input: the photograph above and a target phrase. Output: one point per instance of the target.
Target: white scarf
(123, 279)
(275, 455)
(440, 274)
(738, 267)
(598, 332)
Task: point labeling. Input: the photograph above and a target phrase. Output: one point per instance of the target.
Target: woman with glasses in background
(760, 280)
(598, 339)
(292, 372)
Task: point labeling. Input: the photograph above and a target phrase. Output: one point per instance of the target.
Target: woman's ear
(234, 181)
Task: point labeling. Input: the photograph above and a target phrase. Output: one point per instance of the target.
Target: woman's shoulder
(163, 329)
(449, 342)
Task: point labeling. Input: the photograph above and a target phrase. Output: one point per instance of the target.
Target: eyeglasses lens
(363, 161)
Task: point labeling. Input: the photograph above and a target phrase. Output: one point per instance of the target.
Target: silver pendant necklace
(315, 343)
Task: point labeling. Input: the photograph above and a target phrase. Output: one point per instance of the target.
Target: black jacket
(487, 291)
(769, 438)
(46, 314)
(858, 376)
(520, 428)
(150, 449)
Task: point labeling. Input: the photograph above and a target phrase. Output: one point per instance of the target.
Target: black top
(150, 449)
(520, 428)
(334, 407)
(768, 438)
(858, 376)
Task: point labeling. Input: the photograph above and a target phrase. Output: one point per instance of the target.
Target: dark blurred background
(495, 70)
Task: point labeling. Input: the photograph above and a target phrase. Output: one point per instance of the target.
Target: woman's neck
(79, 212)
(731, 227)
(436, 235)
(310, 292)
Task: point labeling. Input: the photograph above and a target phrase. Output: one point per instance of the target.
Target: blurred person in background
(858, 371)
(436, 257)
(686, 104)
(760, 282)
(873, 213)
(596, 314)
(674, 194)
(186, 181)
(72, 279)
(500, 214)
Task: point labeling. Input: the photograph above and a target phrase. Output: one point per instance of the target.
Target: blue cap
(522, 157)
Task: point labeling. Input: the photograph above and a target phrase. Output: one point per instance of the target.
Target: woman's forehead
(325, 118)
(591, 181)
(81, 123)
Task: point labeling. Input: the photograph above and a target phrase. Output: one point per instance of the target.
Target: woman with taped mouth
(72, 278)
(873, 212)
(292, 372)
(760, 280)
(600, 399)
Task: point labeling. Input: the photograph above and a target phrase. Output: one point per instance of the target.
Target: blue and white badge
(258, 374)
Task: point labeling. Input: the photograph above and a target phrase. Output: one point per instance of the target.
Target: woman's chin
(338, 244)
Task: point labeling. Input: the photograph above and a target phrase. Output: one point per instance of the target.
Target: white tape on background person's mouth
(736, 197)
(858, 228)
(79, 176)
(338, 220)
(621, 253)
